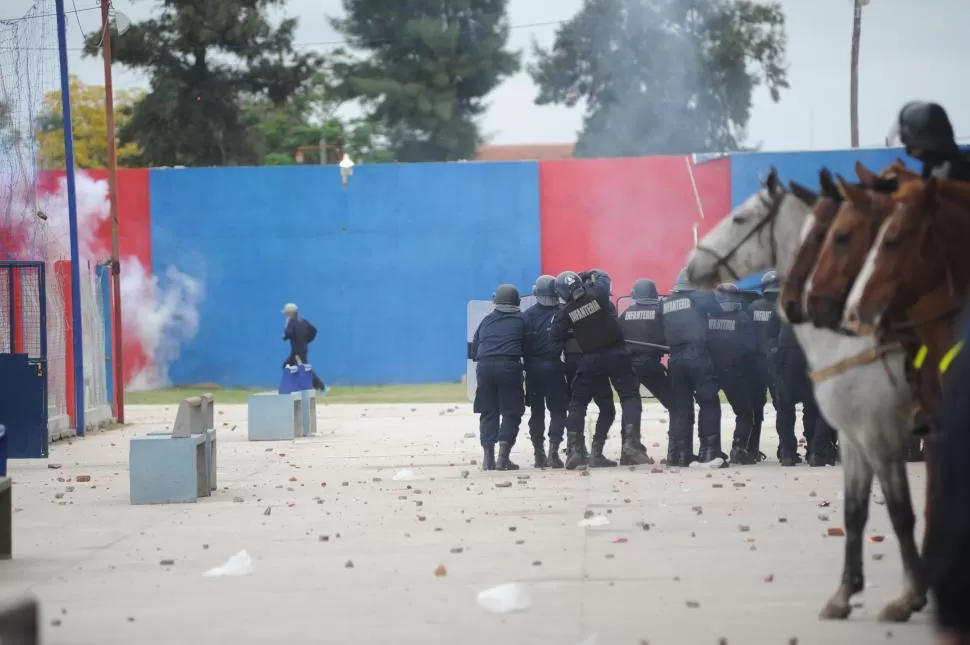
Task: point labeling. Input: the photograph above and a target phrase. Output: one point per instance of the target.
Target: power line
(343, 41)
(47, 15)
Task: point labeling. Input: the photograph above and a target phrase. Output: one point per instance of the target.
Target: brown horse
(825, 207)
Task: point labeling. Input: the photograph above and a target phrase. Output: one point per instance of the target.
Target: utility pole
(117, 361)
(854, 71)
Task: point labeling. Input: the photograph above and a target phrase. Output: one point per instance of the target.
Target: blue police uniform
(643, 322)
(946, 553)
(591, 316)
(730, 340)
(545, 384)
(766, 324)
(692, 375)
(602, 392)
(498, 347)
(793, 386)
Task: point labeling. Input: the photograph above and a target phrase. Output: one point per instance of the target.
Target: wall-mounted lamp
(346, 169)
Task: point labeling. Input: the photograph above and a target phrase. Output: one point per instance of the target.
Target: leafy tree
(430, 64)
(90, 127)
(205, 59)
(663, 76)
(304, 121)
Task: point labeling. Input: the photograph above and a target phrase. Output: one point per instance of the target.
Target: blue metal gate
(23, 360)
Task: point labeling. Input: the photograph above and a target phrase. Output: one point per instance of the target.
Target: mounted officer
(924, 129)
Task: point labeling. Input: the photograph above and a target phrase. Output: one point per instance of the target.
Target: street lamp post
(854, 71)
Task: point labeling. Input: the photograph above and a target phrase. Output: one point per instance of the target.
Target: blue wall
(384, 269)
(747, 170)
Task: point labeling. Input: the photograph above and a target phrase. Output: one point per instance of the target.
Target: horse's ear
(854, 194)
(865, 175)
(771, 181)
(806, 195)
(827, 185)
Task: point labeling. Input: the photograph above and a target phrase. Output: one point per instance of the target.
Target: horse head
(843, 253)
(760, 234)
(920, 247)
(826, 204)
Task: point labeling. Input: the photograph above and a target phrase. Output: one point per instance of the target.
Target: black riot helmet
(506, 295)
(545, 290)
(728, 295)
(569, 286)
(682, 285)
(925, 130)
(644, 291)
(769, 282)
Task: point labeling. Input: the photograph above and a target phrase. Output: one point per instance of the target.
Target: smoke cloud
(159, 316)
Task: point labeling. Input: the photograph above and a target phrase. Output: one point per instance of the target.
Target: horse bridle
(773, 206)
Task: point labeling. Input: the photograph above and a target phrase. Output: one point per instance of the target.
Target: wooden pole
(854, 73)
(117, 361)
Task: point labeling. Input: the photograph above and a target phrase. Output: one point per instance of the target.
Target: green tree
(304, 121)
(206, 58)
(663, 76)
(429, 66)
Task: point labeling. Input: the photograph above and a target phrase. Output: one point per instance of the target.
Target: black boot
(787, 455)
(823, 455)
(503, 462)
(754, 445)
(914, 452)
(553, 460)
(741, 457)
(711, 450)
(632, 448)
(540, 454)
(488, 461)
(596, 458)
(576, 455)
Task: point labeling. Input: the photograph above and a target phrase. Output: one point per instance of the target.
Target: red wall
(631, 217)
(134, 237)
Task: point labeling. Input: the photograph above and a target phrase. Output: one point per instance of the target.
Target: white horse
(868, 401)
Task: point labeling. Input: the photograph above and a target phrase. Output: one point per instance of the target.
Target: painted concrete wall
(383, 269)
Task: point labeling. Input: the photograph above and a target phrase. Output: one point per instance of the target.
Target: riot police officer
(602, 392)
(730, 340)
(590, 314)
(764, 319)
(692, 375)
(545, 374)
(498, 347)
(642, 322)
(925, 131)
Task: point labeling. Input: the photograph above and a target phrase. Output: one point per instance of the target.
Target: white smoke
(161, 317)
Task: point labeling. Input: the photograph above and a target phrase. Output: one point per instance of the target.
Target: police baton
(650, 345)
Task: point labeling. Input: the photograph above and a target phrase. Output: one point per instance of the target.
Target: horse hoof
(835, 611)
(897, 611)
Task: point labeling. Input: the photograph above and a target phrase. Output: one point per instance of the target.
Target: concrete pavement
(343, 553)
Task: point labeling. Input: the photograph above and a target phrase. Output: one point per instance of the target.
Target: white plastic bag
(404, 475)
(596, 520)
(504, 598)
(238, 565)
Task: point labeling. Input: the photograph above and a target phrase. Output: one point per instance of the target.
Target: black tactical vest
(594, 325)
(684, 323)
(643, 323)
(764, 315)
(724, 338)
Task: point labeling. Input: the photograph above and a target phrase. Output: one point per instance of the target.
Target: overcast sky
(910, 49)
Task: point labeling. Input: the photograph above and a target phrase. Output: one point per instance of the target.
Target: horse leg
(857, 482)
(895, 486)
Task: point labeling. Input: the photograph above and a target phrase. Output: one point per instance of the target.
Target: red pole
(117, 361)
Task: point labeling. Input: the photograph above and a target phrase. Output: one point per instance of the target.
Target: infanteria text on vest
(763, 316)
(586, 310)
(720, 324)
(679, 304)
(646, 314)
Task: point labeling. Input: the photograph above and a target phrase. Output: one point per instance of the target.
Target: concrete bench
(20, 622)
(6, 520)
(179, 466)
(282, 417)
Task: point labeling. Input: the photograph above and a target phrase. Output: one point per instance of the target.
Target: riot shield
(476, 312)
